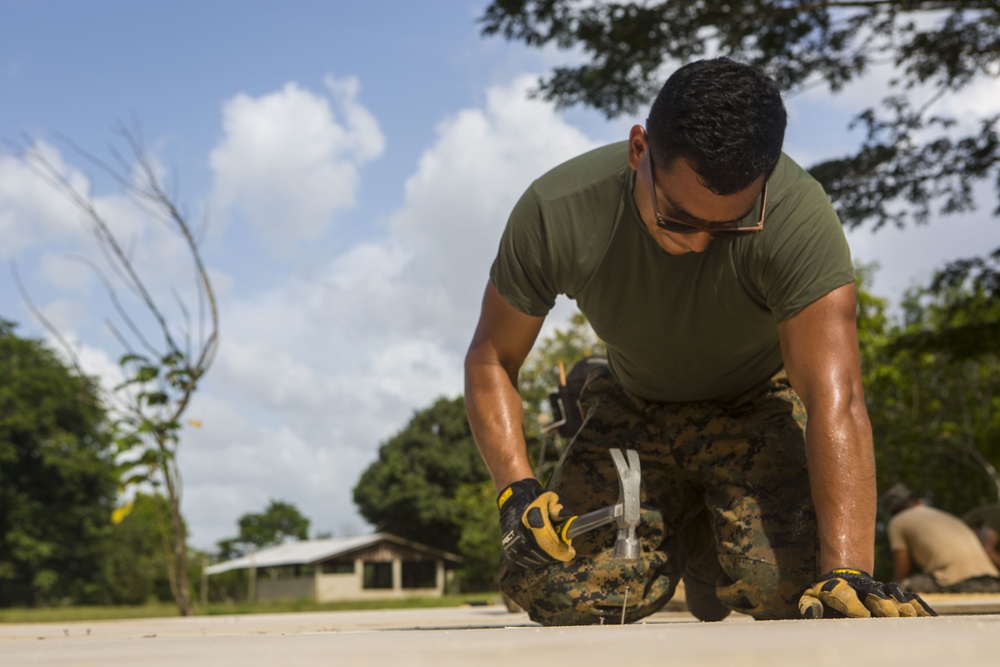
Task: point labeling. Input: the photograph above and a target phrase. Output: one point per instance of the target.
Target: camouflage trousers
(726, 509)
(922, 582)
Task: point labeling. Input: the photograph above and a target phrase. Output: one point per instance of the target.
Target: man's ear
(637, 146)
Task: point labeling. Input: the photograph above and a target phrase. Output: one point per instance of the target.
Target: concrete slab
(489, 636)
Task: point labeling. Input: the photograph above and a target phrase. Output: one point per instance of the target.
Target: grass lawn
(159, 610)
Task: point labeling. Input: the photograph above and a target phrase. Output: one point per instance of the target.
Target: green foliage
(135, 569)
(57, 477)
(410, 490)
(943, 47)
(276, 524)
(960, 315)
(159, 383)
(479, 542)
(935, 412)
(159, 391)
(936, 415)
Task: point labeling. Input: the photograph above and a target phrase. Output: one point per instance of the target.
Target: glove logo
(504, 497)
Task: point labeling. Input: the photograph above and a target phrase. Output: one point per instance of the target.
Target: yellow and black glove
(854, 594)
(528, 526)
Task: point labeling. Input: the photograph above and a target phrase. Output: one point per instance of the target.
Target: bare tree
(163, 361)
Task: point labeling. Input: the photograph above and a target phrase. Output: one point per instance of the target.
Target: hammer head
(629, 479)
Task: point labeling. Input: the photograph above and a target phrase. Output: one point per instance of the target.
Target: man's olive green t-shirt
(698, 326)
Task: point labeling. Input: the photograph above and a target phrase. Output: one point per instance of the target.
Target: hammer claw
(629, 482)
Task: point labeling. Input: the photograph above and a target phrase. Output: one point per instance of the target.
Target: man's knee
(761, 589)
(595, 587)
(588, 593)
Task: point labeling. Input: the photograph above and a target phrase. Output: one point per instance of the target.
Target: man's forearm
(496, 416)
(842, 479)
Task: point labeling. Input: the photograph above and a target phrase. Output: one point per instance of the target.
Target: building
(348, 568)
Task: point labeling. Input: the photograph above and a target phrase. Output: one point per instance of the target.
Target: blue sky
(357, 160)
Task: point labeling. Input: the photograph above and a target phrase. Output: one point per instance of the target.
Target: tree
(410, 489)
(57, 476)
(278, 523)
(135, 569)
(479, 538)
(966, 319)
(910, 158)
(935, 414)
(934, 411)
(163, 362)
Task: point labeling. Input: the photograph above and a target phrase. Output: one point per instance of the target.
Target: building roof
(309, 552)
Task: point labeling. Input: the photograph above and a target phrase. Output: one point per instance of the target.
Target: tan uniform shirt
(940, 545)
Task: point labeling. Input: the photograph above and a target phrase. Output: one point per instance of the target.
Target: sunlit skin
(681, 195)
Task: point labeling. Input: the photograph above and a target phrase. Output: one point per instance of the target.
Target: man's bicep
(504, 334)
(819, 347)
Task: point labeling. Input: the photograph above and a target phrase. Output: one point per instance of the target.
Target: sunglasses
(720, 231)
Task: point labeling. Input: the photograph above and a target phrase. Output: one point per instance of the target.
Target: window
(338, 567)
(419, 574)
(377, 575)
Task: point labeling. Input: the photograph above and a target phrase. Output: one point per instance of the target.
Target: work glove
(854, 594)
(533, 525)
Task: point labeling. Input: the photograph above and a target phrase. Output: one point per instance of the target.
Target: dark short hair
(725, 118)
(897, 498)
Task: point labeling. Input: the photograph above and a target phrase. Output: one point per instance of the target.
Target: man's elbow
(474, 364)
(483, 363)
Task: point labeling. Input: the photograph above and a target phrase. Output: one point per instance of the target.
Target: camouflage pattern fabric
(922, 582)
(726, 501)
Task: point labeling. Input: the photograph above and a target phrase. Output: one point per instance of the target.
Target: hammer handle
(596, 519)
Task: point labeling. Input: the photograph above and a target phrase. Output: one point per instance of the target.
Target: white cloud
(64, 271)
(909, 257)
(269, 378)
(288, 163)
(31, 209)
(458, 201)
(313, 375)
(93, 361)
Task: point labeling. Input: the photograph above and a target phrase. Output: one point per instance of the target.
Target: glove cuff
(846, 572)
(529, 486)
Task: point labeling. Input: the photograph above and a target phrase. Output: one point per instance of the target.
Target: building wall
(292, 583)
(334, 587)
(291, 588)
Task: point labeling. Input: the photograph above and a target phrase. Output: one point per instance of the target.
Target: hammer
(625, 511)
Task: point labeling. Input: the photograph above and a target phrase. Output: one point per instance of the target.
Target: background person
(934, 551)
(985, 520)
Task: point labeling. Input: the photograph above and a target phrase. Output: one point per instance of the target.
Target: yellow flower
(120, 513)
